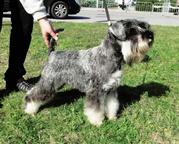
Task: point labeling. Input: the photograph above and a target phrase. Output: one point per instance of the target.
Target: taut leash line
(107, 12)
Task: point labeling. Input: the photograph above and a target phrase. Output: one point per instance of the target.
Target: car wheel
(59, 9)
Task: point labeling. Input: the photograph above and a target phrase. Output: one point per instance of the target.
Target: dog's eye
(148, 34)
(133, 32)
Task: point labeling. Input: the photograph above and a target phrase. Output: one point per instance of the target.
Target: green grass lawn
(149, 111)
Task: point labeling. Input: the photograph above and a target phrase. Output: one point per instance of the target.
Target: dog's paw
(32, 107)
(94, 117)
(96, 121)
(112, 117)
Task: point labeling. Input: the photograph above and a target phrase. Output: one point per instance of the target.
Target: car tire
(59, 9)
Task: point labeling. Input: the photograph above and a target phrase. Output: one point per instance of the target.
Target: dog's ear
(143, 25)
(118, 30)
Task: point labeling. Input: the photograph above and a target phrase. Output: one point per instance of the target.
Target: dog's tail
(52, 41)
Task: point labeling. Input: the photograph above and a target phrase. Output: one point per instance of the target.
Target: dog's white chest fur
(126, 49)
(113, 80)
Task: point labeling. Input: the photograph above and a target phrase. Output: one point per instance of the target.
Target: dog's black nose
(149, 34)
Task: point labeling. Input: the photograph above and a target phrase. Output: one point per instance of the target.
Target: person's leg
(1, 12)
(22, 24)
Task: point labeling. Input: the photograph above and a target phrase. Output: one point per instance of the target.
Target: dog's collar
(113, 34)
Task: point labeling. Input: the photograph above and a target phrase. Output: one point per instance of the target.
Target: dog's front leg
(94, 107)
(112, 105)
(113, 81)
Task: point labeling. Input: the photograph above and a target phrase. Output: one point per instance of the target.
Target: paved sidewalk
(99, 15)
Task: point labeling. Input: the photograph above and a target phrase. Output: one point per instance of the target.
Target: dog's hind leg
(94, 108)
(39, 95)
(111, 105)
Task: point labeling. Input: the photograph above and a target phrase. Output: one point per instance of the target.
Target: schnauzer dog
(95, 71)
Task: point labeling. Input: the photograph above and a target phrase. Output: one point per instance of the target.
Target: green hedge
(156, 1)
(88, 3)
(143, 6)
(92, 3)
(146, 5)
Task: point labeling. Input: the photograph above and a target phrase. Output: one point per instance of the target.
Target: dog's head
(134, 37)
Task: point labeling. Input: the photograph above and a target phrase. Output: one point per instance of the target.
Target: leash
(107, 12)
(145, 75)
(146, 60)
(52, 41)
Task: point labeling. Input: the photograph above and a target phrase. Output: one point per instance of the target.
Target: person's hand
(47, 29)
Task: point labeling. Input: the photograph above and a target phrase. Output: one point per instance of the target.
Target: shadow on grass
(4, 92)
(62, 97)
(128, 95)
(65, 97)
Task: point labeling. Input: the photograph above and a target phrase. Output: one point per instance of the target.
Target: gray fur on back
(85, 68)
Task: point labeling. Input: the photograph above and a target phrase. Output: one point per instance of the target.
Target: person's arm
(38, 10)
(47, 29)
(34, 7)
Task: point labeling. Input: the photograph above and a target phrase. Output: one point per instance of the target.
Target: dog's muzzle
(149, 36)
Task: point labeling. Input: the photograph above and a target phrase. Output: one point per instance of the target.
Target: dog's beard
(138, 52)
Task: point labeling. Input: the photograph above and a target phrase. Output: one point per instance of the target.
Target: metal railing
(156, 7)
(143, 6)
(169, 8)
(97, 3)
(139, 6)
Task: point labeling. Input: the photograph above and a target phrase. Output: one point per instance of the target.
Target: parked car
(56, 8)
